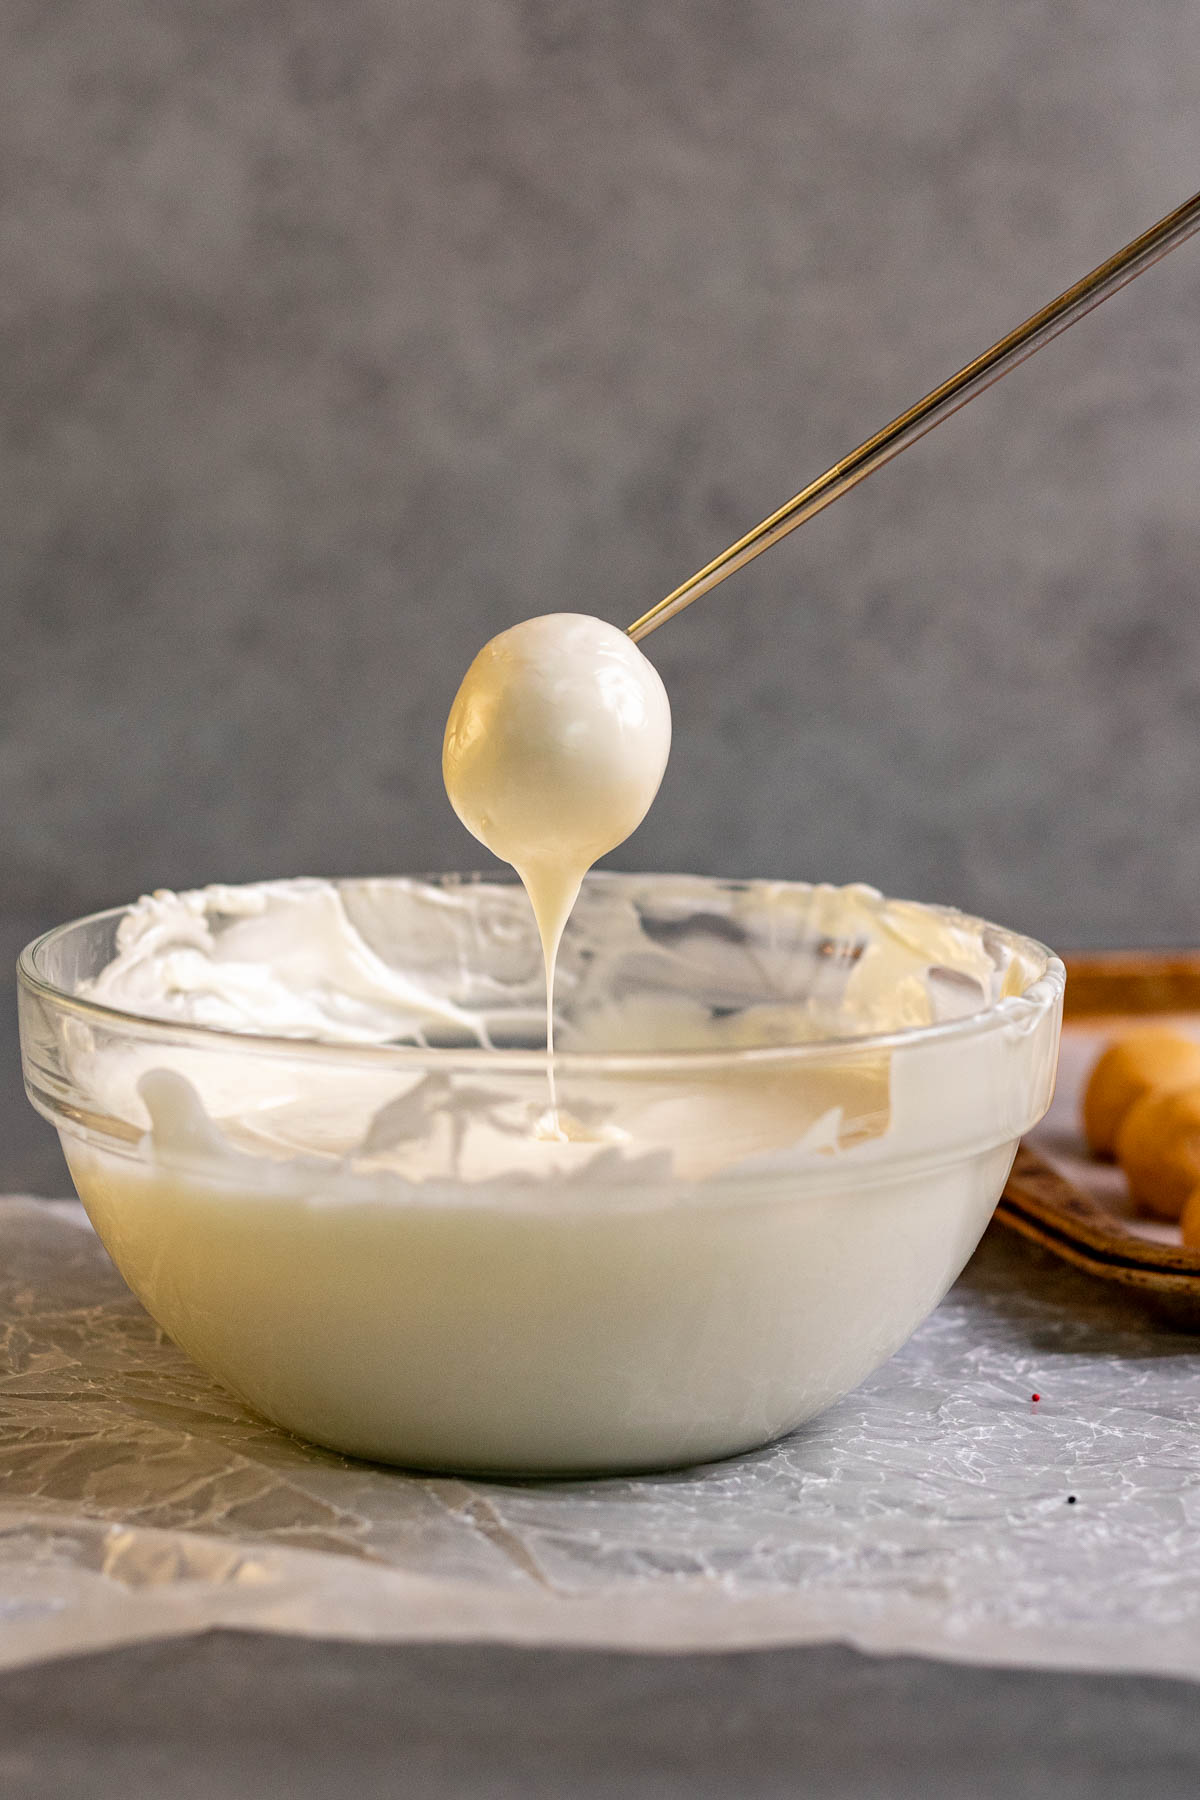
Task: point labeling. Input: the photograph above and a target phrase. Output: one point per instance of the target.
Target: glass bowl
(303, 1119)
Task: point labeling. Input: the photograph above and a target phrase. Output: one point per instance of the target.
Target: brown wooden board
(1066, 1200)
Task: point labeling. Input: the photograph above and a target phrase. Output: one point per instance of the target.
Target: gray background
(337, 337)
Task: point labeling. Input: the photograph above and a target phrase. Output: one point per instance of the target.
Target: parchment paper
(928, 1512)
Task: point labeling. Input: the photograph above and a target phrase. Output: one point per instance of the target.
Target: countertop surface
(229, 1715)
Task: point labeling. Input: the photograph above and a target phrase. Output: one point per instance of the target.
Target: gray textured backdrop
(335, 337)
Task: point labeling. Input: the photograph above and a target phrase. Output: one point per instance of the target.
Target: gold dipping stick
(1004, 355)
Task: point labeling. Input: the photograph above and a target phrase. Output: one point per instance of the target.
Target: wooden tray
(1064, 1199)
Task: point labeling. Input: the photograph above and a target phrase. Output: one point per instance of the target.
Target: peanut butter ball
(1158, 1147)
(1190, 1220)
(1152, 1058)
(554, 749)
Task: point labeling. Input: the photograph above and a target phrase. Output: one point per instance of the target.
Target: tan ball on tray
(1158, 1147)
(1190, 1220)
(1144, 1062)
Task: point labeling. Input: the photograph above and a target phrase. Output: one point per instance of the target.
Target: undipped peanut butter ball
(1158, 1147)
(1189, 1220)
(1144, 1061)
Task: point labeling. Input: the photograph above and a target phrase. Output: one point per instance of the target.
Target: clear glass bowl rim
(1041, 993)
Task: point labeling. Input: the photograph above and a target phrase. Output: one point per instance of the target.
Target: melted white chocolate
(660, 964)
(334, 1203)
(554, 750)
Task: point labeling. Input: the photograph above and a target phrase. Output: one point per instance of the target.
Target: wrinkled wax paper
(928, 1512)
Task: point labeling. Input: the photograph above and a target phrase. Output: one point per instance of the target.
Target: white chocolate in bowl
(381, 1258)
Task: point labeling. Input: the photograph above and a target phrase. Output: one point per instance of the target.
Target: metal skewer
(1004, 355)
